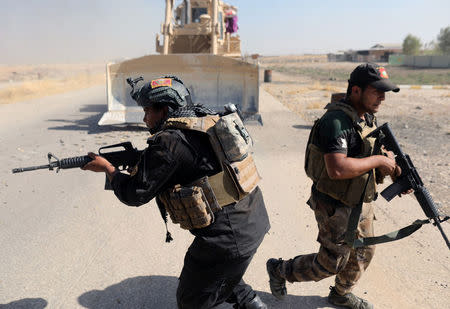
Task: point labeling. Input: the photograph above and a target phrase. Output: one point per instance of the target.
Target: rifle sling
(392, 236)
(353, 221)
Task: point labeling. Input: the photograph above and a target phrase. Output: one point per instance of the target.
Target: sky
(96, 31)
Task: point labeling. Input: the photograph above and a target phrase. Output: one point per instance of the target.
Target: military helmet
(167, 90)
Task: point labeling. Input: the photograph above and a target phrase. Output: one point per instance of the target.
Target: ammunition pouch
(233, 137)
(192, 206)
(244, 174)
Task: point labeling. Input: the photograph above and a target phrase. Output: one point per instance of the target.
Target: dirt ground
(419, 118)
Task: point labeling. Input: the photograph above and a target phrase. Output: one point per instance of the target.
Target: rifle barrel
(31, 168)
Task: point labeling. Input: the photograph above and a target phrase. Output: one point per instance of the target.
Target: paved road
(67, 243)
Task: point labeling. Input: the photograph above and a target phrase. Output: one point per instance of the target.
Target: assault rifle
(122, 159)
(409, 178)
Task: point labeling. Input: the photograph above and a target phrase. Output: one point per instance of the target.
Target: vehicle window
(196, 12)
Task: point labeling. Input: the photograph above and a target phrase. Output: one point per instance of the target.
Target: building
(377, 53)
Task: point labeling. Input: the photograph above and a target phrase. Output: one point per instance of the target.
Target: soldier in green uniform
(339, 158)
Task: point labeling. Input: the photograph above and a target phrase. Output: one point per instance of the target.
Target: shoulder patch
(343, 143)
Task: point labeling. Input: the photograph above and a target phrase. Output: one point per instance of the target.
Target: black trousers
(207, 283)
(220, 254)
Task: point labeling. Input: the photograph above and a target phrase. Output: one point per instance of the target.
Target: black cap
(374, 75)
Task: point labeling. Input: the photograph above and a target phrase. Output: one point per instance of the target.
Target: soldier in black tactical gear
(186, 167)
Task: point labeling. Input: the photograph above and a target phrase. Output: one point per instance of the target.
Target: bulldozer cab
(192, 29)
(201, 46)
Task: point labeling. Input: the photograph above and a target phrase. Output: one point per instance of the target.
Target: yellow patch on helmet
(161, 82)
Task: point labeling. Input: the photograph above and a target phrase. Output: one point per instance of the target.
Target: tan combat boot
(349, 300)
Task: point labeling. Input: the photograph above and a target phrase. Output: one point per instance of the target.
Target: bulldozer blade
(213, 81)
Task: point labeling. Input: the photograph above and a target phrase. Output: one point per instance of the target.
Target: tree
(444, 40)
(411, 45)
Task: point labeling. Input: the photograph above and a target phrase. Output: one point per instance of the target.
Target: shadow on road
(159, 292)
(302, 126)
(90, 123)
(26, 303)
(137, 292)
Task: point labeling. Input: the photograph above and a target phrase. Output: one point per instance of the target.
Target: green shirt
(336, 134)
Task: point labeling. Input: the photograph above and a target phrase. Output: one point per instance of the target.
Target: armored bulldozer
(200, 45)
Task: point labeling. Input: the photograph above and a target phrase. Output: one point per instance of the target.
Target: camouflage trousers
(335, 257)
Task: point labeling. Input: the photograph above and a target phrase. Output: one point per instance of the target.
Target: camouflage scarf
(197, 110)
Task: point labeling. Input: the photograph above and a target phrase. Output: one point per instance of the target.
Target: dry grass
(314, 105)
(293, 59)
(16, 73)
(301, 99)
(317, 86)
(318, 68)
(32, 89)
(25, 82)
(296, 108)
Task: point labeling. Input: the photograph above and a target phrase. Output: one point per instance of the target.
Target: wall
(420, 61)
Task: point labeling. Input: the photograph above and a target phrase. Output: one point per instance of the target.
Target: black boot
(255, 303)
(277, 283)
